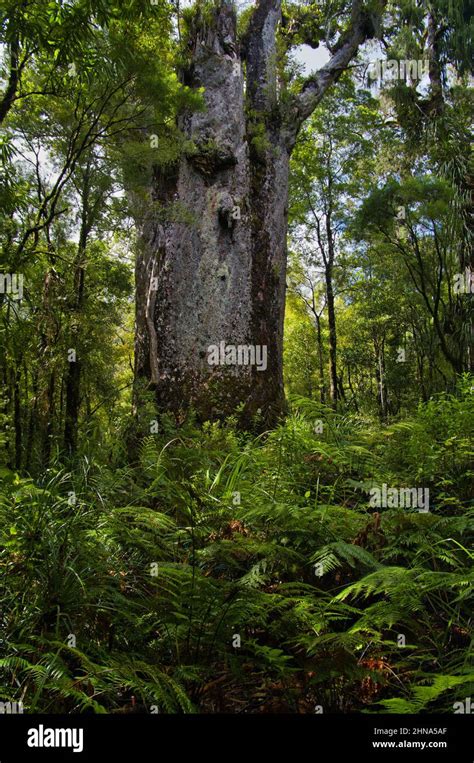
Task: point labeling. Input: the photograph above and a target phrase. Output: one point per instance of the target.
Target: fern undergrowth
(223, 572)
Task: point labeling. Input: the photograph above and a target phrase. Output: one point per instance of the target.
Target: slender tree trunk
(434, 35)
(73, 374)
(32, 421)
(322, 383)
(17, 415)
(49, 331)
(340, 386)
(73, 389)
(333, 387)
(49, 416)
(380, 373)
(420, 362)
(7, 100)
(6, 404)
(354, 396)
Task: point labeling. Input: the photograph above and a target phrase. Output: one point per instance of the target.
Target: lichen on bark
(220, 274)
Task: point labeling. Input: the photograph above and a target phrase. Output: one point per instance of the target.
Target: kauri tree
(212, 263)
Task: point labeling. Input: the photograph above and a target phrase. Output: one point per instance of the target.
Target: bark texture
(212, 268)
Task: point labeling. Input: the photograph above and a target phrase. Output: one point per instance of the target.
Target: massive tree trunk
(212, 266)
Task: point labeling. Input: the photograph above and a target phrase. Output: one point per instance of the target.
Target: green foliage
(221, 571)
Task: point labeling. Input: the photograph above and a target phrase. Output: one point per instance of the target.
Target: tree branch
(361, 28)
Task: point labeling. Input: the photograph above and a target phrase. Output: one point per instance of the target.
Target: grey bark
(212, 266)
(328, 275)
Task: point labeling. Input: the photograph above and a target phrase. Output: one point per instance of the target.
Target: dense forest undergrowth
(226, 573)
